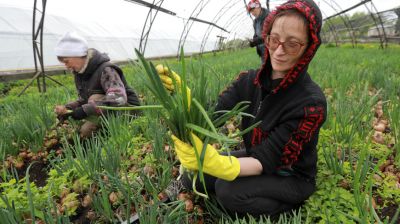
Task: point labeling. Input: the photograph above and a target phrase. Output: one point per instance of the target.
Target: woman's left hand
(223, 167)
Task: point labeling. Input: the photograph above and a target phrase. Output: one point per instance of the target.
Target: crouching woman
(276, 170)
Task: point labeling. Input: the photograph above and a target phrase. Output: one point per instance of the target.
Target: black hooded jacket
(99, 74)
(258, 29)
(292, 110)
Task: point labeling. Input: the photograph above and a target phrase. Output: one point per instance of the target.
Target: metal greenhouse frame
(338, 28)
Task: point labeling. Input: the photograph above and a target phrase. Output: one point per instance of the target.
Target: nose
(280, 50)
(66, 64)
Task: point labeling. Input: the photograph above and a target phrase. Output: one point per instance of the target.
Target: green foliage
(15, 192)
(58, 181)
(287, 218)
(26, 124)
(393, 115)
(353, 80)
(388, 189)
(323, 205)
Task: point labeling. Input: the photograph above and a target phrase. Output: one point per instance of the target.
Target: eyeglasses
(252, 5)
(290, 47)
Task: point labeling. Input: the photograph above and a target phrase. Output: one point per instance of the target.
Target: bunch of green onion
(183, 117)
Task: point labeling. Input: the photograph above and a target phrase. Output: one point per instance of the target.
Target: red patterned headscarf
(313, 15)
(253, 4)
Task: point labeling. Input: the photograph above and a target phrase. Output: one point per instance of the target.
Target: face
(73, 63)
(291, 30)
(255, 12)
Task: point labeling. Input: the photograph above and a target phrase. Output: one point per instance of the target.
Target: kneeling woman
(276, 170)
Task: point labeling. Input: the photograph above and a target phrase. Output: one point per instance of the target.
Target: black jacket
(288, 135)
(89, 82)
(292, 111)
(258, 41)
(101, 77)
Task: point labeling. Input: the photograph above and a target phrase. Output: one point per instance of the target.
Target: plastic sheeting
(115, 26)
(16, 39)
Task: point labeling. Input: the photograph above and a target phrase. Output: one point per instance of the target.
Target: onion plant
(173, 212)
(9, 213)
(26, 124)
(349, 124)
(93, 158)
(295, 217)
(332, 159)
(85, 157)
(394, 117)
(51, 217)
(351, 120)
(29, 194)
(101, 203)
(362, 189)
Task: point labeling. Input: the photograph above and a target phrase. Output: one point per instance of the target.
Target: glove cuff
(233, 168)
(228, 168)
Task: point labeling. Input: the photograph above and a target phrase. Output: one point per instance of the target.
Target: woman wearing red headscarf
(276, 170)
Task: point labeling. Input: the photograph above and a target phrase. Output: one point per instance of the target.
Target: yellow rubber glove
(166, 77)
(223, 167)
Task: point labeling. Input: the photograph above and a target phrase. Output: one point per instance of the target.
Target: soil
(80, 217)
(37, 173)
(389, 211)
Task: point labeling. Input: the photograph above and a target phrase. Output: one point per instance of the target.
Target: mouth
(279, 60)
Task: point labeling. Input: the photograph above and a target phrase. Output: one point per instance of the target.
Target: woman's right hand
(60, 110)
(166, 77)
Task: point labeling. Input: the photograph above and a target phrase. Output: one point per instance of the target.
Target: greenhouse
(199, 111)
